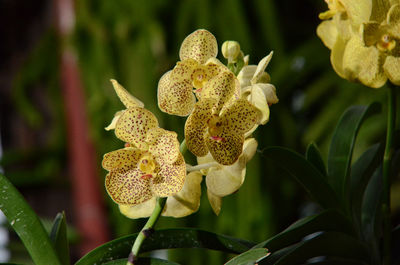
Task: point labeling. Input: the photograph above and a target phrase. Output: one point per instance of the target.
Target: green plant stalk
(151, 222)
(387, 160)
(146, 230)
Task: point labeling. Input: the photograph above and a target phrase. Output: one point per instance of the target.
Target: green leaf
(328, 244)
(26, 224)
(142, 261)
(342, 144)
(314, 157)
(166, 239)
(249, 257)
(58, 236)
(361, 173)
(328, 220)
(305, 173)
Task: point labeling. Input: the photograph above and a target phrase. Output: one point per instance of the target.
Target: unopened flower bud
(230, 50)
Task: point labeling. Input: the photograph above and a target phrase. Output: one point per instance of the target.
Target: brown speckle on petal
(199, 45)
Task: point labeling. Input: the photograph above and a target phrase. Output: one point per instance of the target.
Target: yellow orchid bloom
(197, 66)
(224, 180)
(183, 203)
(151, 164)
(255, 86)
(126, 98)
(220, 120)
(364, 42)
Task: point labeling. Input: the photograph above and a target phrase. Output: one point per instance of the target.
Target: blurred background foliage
(136, 42)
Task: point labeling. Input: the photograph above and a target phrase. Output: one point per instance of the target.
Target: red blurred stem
(90, 215)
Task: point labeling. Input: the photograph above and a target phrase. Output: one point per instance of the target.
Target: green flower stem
(387, 160)
(151, 222)
(146, 230)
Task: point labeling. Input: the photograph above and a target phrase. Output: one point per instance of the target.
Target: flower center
(386, 43)
(215, 127)
(147, 165)
(199, 77)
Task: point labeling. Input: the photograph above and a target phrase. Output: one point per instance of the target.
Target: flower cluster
(363, 36)
(224, 105)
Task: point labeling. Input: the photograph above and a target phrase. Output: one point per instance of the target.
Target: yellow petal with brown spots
(183, 70)
(240, 116)
(199, 45)
(141, 210)
(175, 96)
(223, 88)
(126, 98)
(227, 148)
(133, 126)
(196, 126)
(170, 178)
(163, 144)
(123, 159)
(128, 187)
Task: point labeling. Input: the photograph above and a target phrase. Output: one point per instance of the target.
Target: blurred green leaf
(334, 244)
(361, 173)
(166, 239)
(335, 261)
(314, 157)
(58, 235)
(305, 173)
(328, 220)
(26, 224)
(342, 144)
(142, 261)
(249, 257)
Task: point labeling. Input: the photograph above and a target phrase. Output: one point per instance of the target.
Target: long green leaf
(328, 220)
(249, 257)
(142, 261)
(341, 147)
(58, 236)
(26, 224)
(314, 157)
(166, 239)
(361, 172)
(305, 173)
(333, 244)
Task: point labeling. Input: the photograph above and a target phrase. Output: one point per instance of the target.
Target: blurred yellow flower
(183, 203)
(224, 180)
(363, 37)
(197, 66)
(150, 165)
(255, 86)
(220, 120)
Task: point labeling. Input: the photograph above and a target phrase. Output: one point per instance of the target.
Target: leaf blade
(26, 224)
(58, 236)
(249, 257)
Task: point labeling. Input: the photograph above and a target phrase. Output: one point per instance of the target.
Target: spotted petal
(240, 116)
(185, 202)
(224, 180)
(227, 150)
(133, 126)
(175, 96)
(196, 126)
(222, 88)
(199, 45)
(170, 178)
(254, 94)
(163, 144)
(126, 98)
(123, 159)
(128, 187)
(113, 123)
